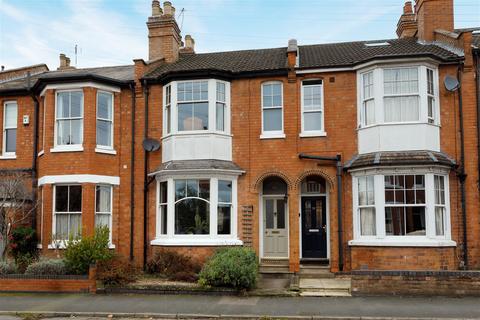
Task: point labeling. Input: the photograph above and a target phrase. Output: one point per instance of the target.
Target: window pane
(168, 119)
(220, 117)
(401, 81)
(192, 188)
(269, 213)
(61, 198)
(75, 199)
(405, 221)
(103, 198)
(369, 112)
(200, 111)
(63, 132)
(272, 119)
(180, 189)
(394, 221)
(367, 222)
(312, 97)
(76, 132)
(185, 117)
(76, 104)
(192, 217)
(312, 121)
(224, 191)
(221, 91)
(63, 105)
(224, 217)
(280, 214)
(204, 186)
(11, 140)
(163, 192)
(163, 219)
(10, 115)
(61, 226)
(439, 221)
(192, 91)
(104, 133)
(401, 109)
(275, 186)
(102, 220)
(104, 108)
(75, 225)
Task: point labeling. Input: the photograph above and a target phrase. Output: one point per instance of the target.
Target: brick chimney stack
(189, 46)
(433, 15)
(163, 33)
(64, 62)
(407, 25)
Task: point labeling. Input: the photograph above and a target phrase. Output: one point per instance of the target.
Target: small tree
(16, 206)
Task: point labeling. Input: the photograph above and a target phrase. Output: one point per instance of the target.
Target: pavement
(196, 306)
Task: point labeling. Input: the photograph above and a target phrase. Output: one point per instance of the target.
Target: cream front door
(275, 228)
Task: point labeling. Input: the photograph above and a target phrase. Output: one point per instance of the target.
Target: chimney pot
(407, 8)
(189, 42)
(156, 9)
(292, 45)
(168, 9)
(64, 62)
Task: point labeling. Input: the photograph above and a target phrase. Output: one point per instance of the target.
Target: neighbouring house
(358, 155)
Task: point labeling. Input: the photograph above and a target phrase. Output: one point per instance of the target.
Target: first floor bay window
(69, 118)
(196, 211)
(396, 206)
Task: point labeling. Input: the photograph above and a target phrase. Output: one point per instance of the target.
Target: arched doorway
(314, 224)
(274, 218)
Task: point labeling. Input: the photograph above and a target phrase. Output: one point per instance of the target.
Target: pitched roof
(344, 54)
(115, 73)
(382, 159)
(189, 165)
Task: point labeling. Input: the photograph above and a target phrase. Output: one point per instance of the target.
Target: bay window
(104, 120)
(312, 107)
(272, 109)
(69, 118)
(398, 94)
(10, 111)
(399, 207)
(196, 106)
(196, 211)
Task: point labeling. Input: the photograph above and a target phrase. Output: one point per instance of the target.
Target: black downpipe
(339, 166)
(132, 175)
(462, 176)
(145, 182)
(34, 159)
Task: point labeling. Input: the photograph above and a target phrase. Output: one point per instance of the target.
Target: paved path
(260, 306)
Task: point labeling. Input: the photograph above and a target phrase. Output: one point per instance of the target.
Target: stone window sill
(196, 242)
(422, 242)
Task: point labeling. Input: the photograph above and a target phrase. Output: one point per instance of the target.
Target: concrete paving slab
(339, 284)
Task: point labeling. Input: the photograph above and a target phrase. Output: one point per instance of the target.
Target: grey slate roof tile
(399, 157)
(179, 165)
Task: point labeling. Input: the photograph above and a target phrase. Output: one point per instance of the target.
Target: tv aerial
(150, 145)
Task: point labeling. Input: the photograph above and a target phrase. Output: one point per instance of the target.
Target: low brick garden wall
(58, 284)
(438, 283)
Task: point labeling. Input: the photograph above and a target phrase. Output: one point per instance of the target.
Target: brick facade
(259, 158)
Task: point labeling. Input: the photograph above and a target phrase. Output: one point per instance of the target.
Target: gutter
(338, 163)
(132, 174)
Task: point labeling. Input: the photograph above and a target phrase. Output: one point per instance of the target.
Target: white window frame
(62, 242)
(5, 154)
(277, 134)
(400, 95)
(364, 100)
(211, 239)
(379, 96)
(433, 118)
(100, 147)
(167, 116)
(212, 102)
(109, 213)
(381, 238)
(72, 147)
(312, 133)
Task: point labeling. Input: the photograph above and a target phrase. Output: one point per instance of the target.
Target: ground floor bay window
(196, 210)
(401, 207)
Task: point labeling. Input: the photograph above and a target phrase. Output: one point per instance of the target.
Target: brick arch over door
(315, 172)
(258, 182)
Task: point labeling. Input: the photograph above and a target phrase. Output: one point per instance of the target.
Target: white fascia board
(79, 178)
(78, 85)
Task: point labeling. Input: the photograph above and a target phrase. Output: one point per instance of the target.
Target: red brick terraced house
(358, 155)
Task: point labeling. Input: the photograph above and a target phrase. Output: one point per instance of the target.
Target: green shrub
(23, 246)
(232, 267)
(45, 267)
(7, 268)
(174, 266)
(116, 271)
(81, 253)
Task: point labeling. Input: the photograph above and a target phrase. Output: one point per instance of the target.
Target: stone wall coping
(419, 273)
(43, 277)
